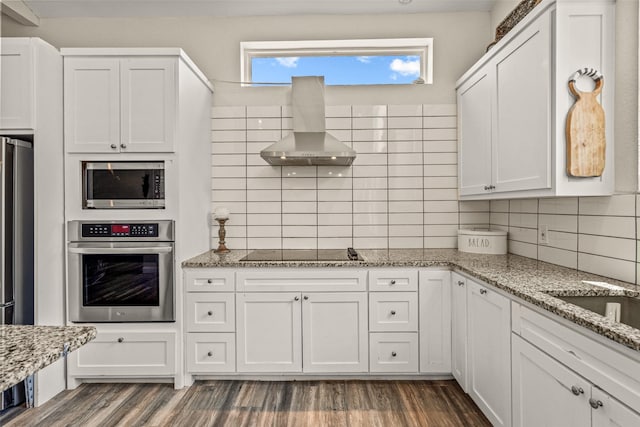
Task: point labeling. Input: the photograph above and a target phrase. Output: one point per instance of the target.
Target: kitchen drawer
(393, 352)
(611, 367)
(393, 311)
(209, 280)
(302, 279)
(212, 312)
(393, 280)
(139, 353)
(211, 353)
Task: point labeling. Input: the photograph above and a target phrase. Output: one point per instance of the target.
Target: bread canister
(482, 241)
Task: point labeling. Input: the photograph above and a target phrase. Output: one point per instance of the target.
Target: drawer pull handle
(577, 390)
(296, 298)
(595, 404)
(120, 339)
(394, 354)
(393, 282)
(483, 291)
(210, 354)
(210, 313)
(571, 352)
(209, 281)
(460, 283)
(393, 312)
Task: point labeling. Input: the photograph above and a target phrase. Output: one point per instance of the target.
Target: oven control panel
(120, 230)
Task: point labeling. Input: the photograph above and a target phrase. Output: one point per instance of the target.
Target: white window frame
(422, 47)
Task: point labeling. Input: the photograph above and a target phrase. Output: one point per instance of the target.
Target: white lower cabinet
(276, 329)
(609, 412)
(334, 331)
(459, 329)
(211, 352)
(489, 352)
(434, 296)
(269, 332)
(547, 393)
(127, 354)
(393, 352)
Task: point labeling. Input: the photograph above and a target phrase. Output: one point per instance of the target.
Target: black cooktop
(303, 255)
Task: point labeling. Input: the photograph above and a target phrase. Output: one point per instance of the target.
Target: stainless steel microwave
(123, 185)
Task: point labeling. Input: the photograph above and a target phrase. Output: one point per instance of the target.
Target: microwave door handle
(121, 250)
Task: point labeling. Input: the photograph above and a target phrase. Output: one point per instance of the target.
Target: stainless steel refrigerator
(16, 244)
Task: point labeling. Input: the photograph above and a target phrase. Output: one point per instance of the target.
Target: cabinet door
(435, 321)
(16, 84)
(545, 392)
(269, 332)
(91, 105)
(148, 107)
(125, 354)
(459, 329)
(522, 140)
(334, 330)
(474, 131)
(608, 412)
(489, 346)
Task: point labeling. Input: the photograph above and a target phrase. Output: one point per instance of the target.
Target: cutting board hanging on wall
(586, 141)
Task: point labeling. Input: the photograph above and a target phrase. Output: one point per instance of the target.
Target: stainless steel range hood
(309, 144)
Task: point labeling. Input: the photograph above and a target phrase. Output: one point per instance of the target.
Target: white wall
(214, 44)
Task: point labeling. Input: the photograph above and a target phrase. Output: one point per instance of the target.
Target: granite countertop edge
(535, 282)
(26, 348)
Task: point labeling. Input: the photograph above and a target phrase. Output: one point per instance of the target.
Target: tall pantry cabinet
(140, 105)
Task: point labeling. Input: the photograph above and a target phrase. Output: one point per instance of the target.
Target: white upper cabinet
(16, 82)
(123, 100)
(29, 86)
(513, 104)
(474, 118)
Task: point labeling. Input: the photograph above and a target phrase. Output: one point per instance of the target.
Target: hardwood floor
(254, 403)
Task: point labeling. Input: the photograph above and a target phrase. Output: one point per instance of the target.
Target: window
(342, 62)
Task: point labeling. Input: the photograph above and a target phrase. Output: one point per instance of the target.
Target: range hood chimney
(309, 144)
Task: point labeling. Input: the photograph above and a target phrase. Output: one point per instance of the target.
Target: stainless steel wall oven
(123, 185)
(121, 271)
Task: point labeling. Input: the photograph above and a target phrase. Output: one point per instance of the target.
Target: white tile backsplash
(594, 234)
(400, 193)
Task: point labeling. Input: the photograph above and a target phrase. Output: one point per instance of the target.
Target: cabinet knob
(114, 146)
(393, 312)
(595, 404)
(394, 354)
(460, 283)
(210, 354)
(306, 297)
(210, 313)
(123, 145)
(577, 390)
(296, 298)
(209, 281)
(486, 187)
(120, 339)
(393, 282)
(483, 291)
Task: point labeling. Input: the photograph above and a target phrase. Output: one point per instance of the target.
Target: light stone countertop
(25, 349)
(533, 281)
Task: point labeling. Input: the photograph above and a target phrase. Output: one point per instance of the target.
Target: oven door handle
(122, 250)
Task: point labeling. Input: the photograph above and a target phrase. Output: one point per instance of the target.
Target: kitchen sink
(629, 306)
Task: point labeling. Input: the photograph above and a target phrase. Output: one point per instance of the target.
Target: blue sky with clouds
(338, 70)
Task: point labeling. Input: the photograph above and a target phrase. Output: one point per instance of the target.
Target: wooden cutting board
(585, 129)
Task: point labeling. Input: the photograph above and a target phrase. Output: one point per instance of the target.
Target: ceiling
(170, 8)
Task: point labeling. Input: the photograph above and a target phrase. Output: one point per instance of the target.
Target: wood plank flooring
(255, 403)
